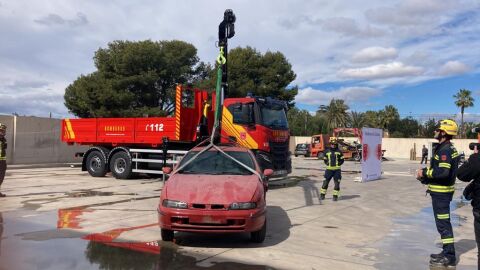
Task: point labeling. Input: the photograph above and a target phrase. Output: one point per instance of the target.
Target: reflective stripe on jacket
(441, 174)
(333, 159)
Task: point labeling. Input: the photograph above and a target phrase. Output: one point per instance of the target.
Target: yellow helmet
(449, 126)
(333, 140)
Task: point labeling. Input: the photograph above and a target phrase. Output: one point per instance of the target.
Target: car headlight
(243, 206)
(174, 204)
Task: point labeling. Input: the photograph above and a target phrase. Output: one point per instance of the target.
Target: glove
(468, 191)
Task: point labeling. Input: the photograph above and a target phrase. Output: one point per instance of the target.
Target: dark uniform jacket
(3, 149)
(470, 170)
(442, 173)
(333, 158)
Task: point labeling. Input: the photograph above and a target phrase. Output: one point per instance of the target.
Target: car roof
(232, 148)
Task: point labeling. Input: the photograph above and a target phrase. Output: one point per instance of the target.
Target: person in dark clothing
(424, 155)
(333, 158)
(3, 154)
(440, 178)
(470, 171)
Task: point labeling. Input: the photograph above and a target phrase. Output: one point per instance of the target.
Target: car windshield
(214, 162)
(301, 146)
(274, 117)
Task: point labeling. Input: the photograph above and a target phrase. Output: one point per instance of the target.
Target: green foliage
(372, 119)
(357, 120)
(135, 79)
(463, 99)
(335, 113)
(302, 123)
(249, 71)
(404, 128)
(428, 128)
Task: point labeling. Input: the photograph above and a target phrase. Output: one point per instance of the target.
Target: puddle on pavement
(290, 181)
(93, 193)
(413, 238)
(37, 243)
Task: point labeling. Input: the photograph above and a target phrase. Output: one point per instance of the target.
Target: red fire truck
(126, 146)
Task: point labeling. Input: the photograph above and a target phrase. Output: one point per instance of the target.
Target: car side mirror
(166, 170)
(268, 172)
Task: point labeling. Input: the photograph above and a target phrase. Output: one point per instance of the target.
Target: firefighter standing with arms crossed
(3, 154)
(333, 158)
(440, 178)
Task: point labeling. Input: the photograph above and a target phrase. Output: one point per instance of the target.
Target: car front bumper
(194, 220)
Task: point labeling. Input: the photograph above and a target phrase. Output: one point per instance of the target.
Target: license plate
(280, 172)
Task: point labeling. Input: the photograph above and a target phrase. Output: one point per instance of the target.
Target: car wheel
(296, 155)
(121, 165)
(167, 235)
(96, 165)
(259, 236)
(357, 156)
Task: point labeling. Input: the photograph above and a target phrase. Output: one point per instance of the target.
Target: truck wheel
(320, 155)
(121, 165)
(259, 236)
(167, 235)
(96, 165)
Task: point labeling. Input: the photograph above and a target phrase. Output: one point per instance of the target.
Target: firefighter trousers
(476, 225)
(441, 211)
(337, 176)
(3, 168)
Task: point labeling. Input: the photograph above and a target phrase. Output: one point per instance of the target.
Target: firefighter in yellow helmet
(3, 154)
(440, 179)
(333, 158)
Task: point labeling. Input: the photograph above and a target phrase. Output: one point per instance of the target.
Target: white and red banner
(371, 154)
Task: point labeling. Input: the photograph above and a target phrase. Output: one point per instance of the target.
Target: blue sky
(413, 54)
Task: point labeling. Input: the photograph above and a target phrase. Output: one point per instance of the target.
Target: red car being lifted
(215, 194)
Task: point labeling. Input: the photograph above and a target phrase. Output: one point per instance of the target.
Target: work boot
(322, 196)
(437, 256)
(2, 195)
(335, 198)
(442, 261)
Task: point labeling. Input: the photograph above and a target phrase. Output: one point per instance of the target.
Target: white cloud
(54, 41)
(381, 71)
(311, 96)
(376, 53)
(350, 27)
(453, 68)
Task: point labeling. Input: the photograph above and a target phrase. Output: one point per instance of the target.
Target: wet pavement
(61, 218)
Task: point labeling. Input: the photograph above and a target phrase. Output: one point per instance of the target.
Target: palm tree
(335, 113)
(357, 119)
(388, 115)
(463, 99)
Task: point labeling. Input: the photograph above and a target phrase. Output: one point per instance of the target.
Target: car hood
(211, 189)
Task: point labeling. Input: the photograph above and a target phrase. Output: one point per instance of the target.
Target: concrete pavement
(61, 217)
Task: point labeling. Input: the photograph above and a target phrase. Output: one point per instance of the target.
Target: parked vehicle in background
(125, 146)
(318, 145)
(215, 194)
(302, 149)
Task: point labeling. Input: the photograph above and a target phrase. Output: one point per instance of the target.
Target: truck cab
(259, 124)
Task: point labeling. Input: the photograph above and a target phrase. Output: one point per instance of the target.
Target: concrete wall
(399, 147)
(33, 140)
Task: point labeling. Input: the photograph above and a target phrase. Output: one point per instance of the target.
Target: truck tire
(259, 236)
(96, 164)
(167, 235)
(121, 165)
(320, 155)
